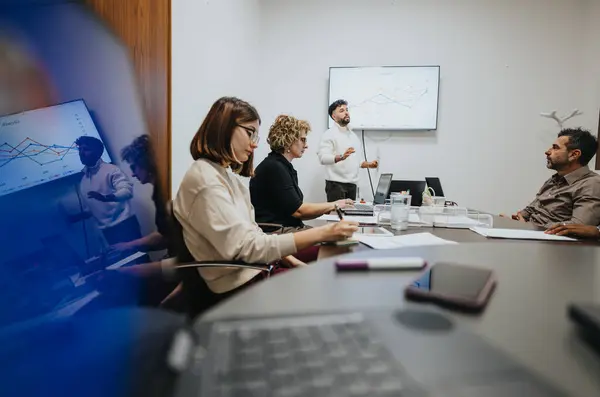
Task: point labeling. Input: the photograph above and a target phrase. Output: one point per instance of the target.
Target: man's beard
(344, 122)
(555, 166)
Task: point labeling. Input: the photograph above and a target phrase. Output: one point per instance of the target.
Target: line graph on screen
(32, 150)
(388, 97)
(38, 146)
(408, 98)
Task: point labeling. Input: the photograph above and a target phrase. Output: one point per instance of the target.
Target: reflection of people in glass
(140, 157)
(105, 194)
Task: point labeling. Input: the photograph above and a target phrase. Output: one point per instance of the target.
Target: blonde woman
(274, 189)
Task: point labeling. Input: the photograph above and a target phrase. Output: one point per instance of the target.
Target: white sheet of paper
(125, 261)
(407, 240)
(363, 220)
(517, 234)
(73, 307)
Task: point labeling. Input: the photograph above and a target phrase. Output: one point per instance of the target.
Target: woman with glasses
(213, 205)
(274, 189)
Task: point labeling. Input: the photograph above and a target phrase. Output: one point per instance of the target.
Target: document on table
(407, 240)
(125, 261)
(517, 234)
(362, 220)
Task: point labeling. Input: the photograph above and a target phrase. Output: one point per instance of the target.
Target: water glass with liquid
(400, 210)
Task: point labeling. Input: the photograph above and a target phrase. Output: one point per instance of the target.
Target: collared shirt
(106, 179)
(275, 192)
(574, 198)
(334, 142)
(214, 209)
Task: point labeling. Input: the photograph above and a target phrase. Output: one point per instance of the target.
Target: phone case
(475, 305)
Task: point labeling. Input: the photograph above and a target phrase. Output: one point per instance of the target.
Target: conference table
(526, 316)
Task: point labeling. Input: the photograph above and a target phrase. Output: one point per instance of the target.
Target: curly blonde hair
(284, 131)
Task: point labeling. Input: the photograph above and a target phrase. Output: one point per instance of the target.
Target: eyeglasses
(252, 134)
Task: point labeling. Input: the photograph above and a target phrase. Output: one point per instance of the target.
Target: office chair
(270, 228)
(416, 189)
(196, 294)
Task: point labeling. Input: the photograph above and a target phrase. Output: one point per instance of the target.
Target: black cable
(85, 236)
(368, 169)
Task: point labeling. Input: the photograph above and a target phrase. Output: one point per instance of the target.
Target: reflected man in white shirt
(105, 193)
(340, 152)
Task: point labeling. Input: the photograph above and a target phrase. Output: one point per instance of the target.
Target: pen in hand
(339, 212)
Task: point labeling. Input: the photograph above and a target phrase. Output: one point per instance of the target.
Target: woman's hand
(121, 247)
(574, 230)
(292, 261)
(339, 231)
(344, 203)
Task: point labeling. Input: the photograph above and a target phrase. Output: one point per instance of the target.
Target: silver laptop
(404, 353)
(383, 189)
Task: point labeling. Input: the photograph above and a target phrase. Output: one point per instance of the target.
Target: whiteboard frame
(437, 110)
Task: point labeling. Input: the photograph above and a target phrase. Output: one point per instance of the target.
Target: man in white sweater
(340, 152)
(105, 194)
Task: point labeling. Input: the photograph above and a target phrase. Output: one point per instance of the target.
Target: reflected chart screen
(38, 146)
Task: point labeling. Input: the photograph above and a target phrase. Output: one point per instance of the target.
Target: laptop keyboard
(334, 355)
(362, 207)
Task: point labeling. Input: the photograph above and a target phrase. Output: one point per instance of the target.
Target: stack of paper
(407, 240)
(518, 234)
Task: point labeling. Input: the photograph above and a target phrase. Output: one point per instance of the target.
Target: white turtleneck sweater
(334, 142)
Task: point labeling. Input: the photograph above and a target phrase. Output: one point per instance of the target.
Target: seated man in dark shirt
(274, 189)
(572, 195)
(141, 158)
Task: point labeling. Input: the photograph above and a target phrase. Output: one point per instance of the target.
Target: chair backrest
(198, 297)
(271, 228)
(183, 253)
(416, 189)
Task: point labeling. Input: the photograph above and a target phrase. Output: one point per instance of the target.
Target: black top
(275, 192)
(161, 219)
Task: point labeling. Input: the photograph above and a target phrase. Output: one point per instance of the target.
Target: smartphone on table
(455, 285)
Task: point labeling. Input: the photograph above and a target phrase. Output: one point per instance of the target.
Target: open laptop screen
(383, 188)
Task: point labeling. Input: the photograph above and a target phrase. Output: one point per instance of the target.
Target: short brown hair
(141, 153)
(284, 131)
(213, 139)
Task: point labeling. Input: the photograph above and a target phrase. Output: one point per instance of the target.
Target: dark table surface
(526, 316)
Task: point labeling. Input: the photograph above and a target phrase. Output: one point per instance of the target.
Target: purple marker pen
(394, 263)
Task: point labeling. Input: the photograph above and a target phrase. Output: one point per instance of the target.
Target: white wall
(591, 59)
(499, 68)
(214, 54)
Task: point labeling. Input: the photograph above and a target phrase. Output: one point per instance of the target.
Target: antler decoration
(561, 120)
